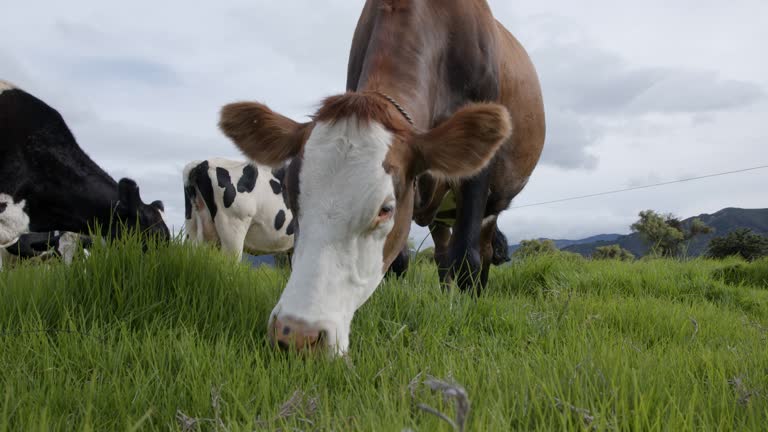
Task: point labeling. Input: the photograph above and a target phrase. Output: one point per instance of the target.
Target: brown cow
(437, 89)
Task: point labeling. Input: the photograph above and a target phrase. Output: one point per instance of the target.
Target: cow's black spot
(248, 180)
(199, 177)
(277, 188)
(291, 227)
(279, 220)
(279, 173)
(225, 182)
(3, 206)
(189, 194)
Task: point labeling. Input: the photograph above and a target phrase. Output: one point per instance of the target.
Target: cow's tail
(191, 176)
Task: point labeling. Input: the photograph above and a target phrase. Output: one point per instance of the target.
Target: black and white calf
(48, 184)
(45, 245)
(238, 205)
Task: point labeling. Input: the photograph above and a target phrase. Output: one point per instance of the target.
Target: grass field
(175, 339)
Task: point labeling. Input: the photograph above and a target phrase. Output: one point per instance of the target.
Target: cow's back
(42, 163)
(25, 120)
(520, 91)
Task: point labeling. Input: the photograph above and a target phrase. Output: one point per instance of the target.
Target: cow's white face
(350, 187)
(346, 204)
(14, 221)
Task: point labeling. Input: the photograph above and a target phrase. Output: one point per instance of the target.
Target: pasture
(175, 339)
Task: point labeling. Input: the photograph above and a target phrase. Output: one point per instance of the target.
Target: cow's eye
(386, 211)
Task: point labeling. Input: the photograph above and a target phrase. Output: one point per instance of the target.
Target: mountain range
(723, 221)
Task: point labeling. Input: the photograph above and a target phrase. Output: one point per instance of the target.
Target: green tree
(612, 252)
(666, 234)
(529, 248)
(742, 242)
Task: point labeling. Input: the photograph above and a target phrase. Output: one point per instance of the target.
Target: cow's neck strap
(397, 106)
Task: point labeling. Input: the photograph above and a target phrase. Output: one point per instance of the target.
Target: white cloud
(696, 92)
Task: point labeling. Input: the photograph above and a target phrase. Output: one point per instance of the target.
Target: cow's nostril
(288, 333)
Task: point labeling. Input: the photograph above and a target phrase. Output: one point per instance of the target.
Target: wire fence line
(616, 191)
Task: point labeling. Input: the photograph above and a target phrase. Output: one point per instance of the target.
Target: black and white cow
(238, 205)
(46, 245)
(48, 184)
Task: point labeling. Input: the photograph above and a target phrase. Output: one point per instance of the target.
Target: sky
(635, 93)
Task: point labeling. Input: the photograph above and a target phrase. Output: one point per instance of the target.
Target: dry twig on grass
(586, 416)
(695, 327)
(299, 404)
(449, 390)
(744, 393)
(188, 424)
(215, 404)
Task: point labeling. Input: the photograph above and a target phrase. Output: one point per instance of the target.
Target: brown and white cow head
(350, 187)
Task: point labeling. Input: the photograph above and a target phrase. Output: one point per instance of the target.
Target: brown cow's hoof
(466, 272)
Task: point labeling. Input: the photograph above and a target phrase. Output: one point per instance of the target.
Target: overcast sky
(635, 92)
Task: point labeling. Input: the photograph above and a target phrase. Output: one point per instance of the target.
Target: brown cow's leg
(400, 265)
(487, 236)
(465, 241)
(441, 235)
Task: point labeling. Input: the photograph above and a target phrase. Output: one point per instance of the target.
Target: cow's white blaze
(13, 220)
(338, 259)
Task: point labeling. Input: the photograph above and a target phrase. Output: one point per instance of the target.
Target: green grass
(125, 340)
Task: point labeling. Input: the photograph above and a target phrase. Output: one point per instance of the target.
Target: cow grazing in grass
(65, 245)
(238, 205)
(435, 88)
(48, 184)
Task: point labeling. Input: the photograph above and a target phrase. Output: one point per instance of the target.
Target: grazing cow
(436, 89)
(47, 182)
(238, 205)
(45, 245)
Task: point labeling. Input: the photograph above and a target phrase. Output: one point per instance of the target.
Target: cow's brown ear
(261, 134)
(465, 143)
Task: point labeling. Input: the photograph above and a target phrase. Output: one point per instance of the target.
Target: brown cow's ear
(465, 143)
(262, 134)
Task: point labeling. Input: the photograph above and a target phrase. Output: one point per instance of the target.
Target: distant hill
(723, 221)
(561, 244)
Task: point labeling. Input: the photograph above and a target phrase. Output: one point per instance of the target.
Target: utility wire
(639, 187)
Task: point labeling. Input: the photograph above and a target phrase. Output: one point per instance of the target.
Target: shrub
(742, 242)
(613, 252)
(530, 248)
